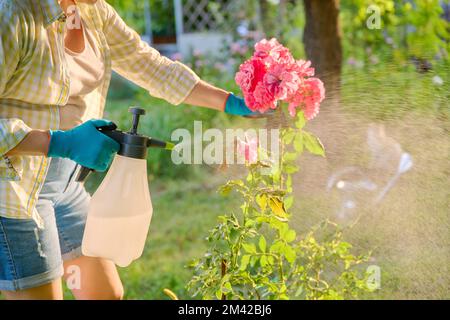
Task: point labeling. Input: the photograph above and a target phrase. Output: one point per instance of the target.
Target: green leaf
(277, 207)
(244, 262)
(298, 142)
(301, 120)
(288, 136)
(227, 287)
(277, 247)
(219, 294)
(225, 278)
(263, 261)
(290, 236)
(236, 182)
(225, 190)
(262, 243)
(313, 144)
(290, 254)
(249, 247)
(288, 202)
(290, 169)
(290, 156)
(261, 200)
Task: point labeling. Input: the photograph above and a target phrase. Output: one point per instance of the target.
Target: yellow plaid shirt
(34, 83)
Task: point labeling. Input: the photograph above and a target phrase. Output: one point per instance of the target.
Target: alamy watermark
(230, 146)
(373, 281)
(73, 277)
(373, 22)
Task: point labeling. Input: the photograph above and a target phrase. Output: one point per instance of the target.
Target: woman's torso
(86, 72)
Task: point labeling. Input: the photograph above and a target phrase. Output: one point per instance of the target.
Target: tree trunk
(322, 39)
(267, 22)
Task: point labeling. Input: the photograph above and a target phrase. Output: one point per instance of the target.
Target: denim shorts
(31, 256)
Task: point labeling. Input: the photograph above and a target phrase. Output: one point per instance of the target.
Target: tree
(322, 39)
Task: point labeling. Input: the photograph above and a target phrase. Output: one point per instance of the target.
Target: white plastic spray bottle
(121, 209)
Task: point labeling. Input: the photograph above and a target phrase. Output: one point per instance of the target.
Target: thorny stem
(223, 273)
(281, 163)
(281, 270)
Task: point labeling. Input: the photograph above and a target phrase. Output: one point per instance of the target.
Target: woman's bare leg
(50, 291)
(98, 279)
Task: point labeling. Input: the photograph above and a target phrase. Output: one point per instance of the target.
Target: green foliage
(162, 13)
(407, 29)
(360, 42)
(430, 32)
(255, 254)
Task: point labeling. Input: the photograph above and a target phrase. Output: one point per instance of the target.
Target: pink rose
(248, 148)
(273, 75)
(267, 48)
(280, 82)
(308, 98)
(250, 74)
(264, 99)
(272, 52)
(303, 68)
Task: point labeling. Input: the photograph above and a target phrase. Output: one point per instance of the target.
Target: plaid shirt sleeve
(12, 131)
(137, 61)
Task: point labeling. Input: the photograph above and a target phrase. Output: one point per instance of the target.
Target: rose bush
(254, 253)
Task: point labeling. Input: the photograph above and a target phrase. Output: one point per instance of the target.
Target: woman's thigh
(93, 279)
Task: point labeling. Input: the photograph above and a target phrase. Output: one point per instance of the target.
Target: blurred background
(385, 125)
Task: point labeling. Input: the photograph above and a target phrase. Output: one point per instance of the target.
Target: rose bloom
(281, 82)
(248, 148)
(303, 68)
(273, 75)
(266, 48)
(263, 99)
(308, 98)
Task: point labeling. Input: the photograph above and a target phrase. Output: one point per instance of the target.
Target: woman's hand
(236, 106)
(85, 145)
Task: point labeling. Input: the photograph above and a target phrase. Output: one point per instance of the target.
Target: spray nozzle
(132, 144)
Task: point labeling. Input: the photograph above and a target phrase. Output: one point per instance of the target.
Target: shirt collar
(51, 11)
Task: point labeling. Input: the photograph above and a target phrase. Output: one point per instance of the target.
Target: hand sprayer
(121, 209)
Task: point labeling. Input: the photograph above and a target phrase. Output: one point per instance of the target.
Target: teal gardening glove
(85, 145)
(236, 106)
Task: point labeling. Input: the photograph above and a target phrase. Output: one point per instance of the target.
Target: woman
(54, 78)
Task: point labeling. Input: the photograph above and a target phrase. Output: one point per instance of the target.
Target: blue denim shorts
(31, 256)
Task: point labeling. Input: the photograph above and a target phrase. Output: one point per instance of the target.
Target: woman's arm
(35, 143)
(162, 77)
(208, 96)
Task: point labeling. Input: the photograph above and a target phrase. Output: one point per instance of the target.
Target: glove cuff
(58, 146)
(224, 108)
